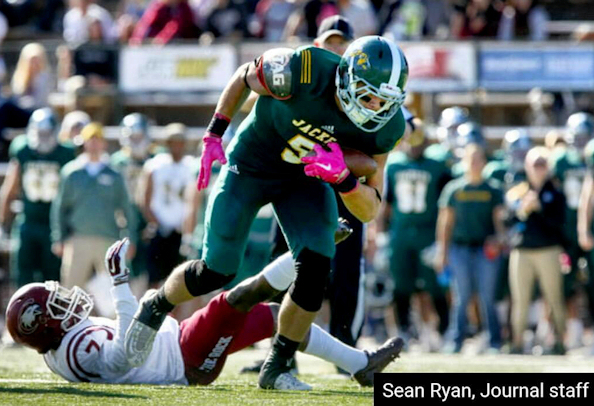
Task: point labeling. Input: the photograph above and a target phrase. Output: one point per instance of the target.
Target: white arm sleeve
(113, 353)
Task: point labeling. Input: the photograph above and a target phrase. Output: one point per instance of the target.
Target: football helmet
(449, 120)
(579, 129)
(42, 131)
(470, 133)
(40, 314)
(516, 144)
(375, 66)
(134, 134)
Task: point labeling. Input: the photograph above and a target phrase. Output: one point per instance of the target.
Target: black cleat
(378, 360)
(277, 375)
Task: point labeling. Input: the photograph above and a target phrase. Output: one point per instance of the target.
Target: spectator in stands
(91, 65)
(32, 81)
(271, 18)
(165, 21)
(361, 15)
(228, 18)
(475, 18)
(523, 19)
(469, 230)
(90, 211)
(537, 240)
(92, 60)
(404, 20)
(72, 125)
(165, 179)
(76, 22)
(309, 17)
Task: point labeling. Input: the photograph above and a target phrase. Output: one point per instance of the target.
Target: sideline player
(315, 98)
(569, 168)
(414, 183)
(136, 149)
(55, 321)
(34, 175)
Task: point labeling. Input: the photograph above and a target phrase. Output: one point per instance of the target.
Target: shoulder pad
(274, 72)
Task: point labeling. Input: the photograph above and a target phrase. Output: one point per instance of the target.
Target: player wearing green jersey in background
(447, 135)
(413, 185)
(315, 98)
(33, 176)
(569, 168)
(135, 142)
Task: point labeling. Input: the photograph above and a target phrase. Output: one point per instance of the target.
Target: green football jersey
(412, 188)
(40, 177)
(570, 169)
(278, 133)
(473, 206)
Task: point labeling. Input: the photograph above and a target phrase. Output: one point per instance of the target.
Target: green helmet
(42, 131)
(580, 129)
(135, 134)
(371, 66)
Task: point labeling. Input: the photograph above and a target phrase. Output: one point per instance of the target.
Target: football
(359, 163)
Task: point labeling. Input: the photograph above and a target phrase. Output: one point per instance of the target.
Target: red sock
(206, 337)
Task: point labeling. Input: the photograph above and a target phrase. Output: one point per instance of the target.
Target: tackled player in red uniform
(55, 321)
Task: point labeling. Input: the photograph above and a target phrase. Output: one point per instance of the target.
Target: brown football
(359, 163)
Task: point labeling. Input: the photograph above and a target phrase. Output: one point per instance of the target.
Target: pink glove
(212, 151)
(328, 166)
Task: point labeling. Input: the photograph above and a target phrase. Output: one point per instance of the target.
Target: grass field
(25, 380)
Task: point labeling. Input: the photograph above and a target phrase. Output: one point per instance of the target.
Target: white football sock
(281, 272)
(324, 346)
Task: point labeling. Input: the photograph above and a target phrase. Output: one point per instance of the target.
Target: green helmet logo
(371, 66)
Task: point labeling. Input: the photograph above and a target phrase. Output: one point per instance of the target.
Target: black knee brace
(312, 276)
(200, 280)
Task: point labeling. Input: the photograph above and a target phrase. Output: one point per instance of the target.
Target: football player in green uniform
(467, 133)
(316, 101)
(569, 168)
(510, 170)
(585, 209)
(447, 135)
(135, 142)
(33, 176)
(413, 185)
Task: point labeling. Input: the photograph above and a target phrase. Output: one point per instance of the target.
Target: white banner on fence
(176, 68)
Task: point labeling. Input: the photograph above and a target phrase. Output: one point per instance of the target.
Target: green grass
(25, 380)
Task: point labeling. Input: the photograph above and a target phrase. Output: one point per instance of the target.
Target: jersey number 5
(300, 146)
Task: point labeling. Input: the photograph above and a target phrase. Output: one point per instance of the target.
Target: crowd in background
(466, 234)
(162, 21)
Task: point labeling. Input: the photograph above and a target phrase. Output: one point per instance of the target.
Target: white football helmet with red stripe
(40, 314)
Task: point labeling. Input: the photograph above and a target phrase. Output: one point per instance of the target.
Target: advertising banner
(174, 68)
